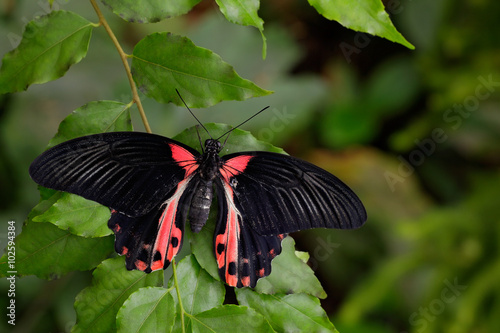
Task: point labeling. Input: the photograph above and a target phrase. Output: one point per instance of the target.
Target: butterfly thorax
(209, 161)
(208, 169)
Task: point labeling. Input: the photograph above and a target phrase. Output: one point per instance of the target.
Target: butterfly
(154, 184)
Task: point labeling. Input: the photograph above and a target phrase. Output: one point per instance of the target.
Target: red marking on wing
(245, 281)
(158, 264)
(234, 166)
(124, 251)
(230, 240)
(168, 233)
(141, 265)
(184, 159)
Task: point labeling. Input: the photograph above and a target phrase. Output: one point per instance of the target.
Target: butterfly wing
(242, 255)
(146, 180)
(279, 194)
(131, 172)
(263, 196)
(149, 242)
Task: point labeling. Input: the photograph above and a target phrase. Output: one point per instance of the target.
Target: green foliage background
(414, 132)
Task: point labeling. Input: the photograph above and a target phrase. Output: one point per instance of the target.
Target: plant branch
(123, 56)
(176, 283)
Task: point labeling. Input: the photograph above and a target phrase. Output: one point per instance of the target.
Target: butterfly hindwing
(242, 255)
(152, 240)
(279, 194)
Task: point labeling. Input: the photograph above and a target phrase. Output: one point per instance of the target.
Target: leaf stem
(123, 56)
(177, 289)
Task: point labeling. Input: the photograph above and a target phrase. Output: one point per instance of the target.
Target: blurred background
(416, 133)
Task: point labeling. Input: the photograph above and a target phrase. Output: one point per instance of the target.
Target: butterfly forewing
(279, 194)
(131, 172)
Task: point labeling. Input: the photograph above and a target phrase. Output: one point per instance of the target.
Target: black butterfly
(153, 184)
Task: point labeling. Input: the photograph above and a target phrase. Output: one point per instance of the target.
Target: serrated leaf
(44, 250)
(96, 306)
(244, 13)
(150, 309)
(78, 215)
(149, 11)
(290, 275)
(288, 313)
(199, 291)
(363, 15)
(50, 45)
(163, 62)
(92, 118)
(229, 318)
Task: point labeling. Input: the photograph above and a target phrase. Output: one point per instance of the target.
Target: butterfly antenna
(224, 144)
(232, 129)
(199, 138)
(199, 122)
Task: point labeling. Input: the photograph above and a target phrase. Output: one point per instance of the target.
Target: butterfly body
(153, 185)
(209, 164)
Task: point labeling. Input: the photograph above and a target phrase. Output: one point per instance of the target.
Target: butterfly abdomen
(200, 205)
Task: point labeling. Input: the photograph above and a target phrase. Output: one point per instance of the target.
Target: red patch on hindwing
(245, 281)
(150, 241)
(227, 244)
(141, 265)
(169, 238)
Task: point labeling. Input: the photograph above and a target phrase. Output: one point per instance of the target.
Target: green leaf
(150, 309)
(80, 216)
(44, 250)
(92, 118)
(290, 274)
(162, 62)
(229, 318)
(288, 313)
(202, 244)
(50, 45)
(363, 15)
(97, 306)
(149, 11)
(199, 291)
(244, 13)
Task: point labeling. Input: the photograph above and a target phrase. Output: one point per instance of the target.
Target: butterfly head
(212, 146)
